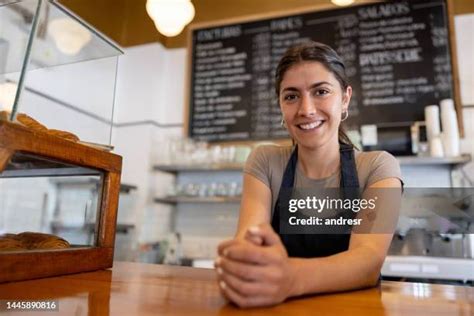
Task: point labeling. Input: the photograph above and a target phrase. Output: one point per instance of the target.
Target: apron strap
(349, 178)
(286, 184)
(289, 174)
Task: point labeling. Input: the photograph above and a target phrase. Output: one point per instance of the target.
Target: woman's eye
(321, 92)
(290, 97)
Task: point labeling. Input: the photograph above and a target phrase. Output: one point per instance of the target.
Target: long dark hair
(314, 51)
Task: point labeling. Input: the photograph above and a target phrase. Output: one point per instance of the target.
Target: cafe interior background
(179, 197)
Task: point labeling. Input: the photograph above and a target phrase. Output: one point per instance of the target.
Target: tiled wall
(21, 204)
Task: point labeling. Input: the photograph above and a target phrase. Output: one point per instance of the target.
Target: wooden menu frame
(31, 264)
(302, 10)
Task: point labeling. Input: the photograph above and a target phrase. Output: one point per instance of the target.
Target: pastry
(30, 122)
(4, 116)
(63, 134)
(33, 124)
(42, 241)
(9, 243)
(24, 120)
(52, 242)
(31, 241)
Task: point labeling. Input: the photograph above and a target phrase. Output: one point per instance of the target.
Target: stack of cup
(447, 142)
(433, 131)
(449, 123)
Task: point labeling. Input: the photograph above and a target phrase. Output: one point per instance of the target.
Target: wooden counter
(144, 289)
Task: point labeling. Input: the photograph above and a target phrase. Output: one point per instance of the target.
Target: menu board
(397, 57)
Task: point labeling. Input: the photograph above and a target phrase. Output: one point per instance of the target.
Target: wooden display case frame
(32, 264)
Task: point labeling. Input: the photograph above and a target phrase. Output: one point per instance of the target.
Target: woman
(262, 267)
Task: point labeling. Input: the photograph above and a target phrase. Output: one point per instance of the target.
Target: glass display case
(57, 87)
(56, 69)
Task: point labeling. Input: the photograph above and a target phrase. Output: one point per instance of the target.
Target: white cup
(436, 147)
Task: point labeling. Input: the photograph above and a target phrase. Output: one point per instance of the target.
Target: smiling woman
(301, 89)
(264, 266)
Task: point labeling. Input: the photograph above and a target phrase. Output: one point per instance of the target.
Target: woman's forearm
(352, 269)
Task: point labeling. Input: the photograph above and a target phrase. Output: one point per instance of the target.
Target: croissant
(30, 122)
(33, 124)
(10, 244)
(52, 243)
(31, 241)
(42, 241)
(63, 134)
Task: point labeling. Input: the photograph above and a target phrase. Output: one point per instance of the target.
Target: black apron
(317, 245)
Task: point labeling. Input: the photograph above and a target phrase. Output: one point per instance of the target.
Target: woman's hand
(255, 270)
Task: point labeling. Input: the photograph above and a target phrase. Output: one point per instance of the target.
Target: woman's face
(312, 102)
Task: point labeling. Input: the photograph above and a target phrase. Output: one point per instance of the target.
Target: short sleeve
(258, 165)
(384, 166)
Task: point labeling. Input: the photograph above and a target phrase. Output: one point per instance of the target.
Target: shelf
(414, 160)
(89, 227)
(55, 172)
(203, 200)
(124, 188)
(203, 167)
(24, 165)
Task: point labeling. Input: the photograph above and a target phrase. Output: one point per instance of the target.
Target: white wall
(464, 24)
(148, 110)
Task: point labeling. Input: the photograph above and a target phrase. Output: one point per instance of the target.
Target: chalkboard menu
(397, 57)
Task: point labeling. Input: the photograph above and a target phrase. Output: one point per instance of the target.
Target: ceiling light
(70, 37)
(170, 16)
(342, 3)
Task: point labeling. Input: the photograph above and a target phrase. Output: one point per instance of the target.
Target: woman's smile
(311, 126)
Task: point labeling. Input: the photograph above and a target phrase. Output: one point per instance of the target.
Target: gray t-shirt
(267, 163)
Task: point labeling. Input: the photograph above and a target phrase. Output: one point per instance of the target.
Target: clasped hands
(255, 270)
